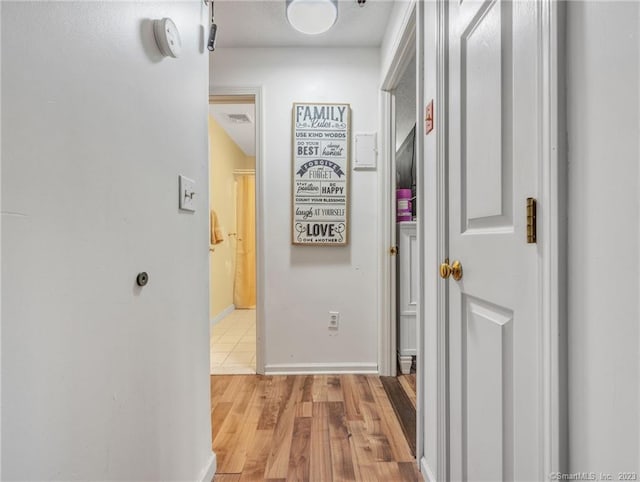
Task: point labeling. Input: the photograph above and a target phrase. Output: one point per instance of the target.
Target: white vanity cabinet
(407, 294)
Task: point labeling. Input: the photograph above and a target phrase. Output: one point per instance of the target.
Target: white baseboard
(425, 470)
(320, 368)
(218, 318)
(209, 470)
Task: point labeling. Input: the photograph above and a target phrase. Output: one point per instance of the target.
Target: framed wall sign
(320, 177)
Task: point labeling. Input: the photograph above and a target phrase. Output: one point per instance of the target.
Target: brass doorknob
(454, 270)
(445, 269)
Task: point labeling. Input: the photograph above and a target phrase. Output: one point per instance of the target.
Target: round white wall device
(167, 37)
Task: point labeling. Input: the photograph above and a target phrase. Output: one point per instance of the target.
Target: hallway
(322, 427)
(527, 193)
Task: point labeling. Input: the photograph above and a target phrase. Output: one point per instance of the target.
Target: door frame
(552, 245)
(402, 51)
(553, 235)
(405, 45)
(434, 381)
(258, 94)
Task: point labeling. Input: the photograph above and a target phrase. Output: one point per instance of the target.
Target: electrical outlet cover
(334, 319)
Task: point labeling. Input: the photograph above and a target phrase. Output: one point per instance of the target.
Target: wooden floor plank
(364, 463)
(409, 471)
(307, 389)
(408, 383)
(304, 409)
(405, 410)
(334, 389)
(390, 424)
(278, 461)
(231, 433)
(299, 468)
(389, 471)
(350, 385)
(319, 390)
(341, 455)
(374, 414)
(256, 461)
(219, 414)
(271, 406)
(219, 387)
(237, 456)
(320, 453)
(226, 478)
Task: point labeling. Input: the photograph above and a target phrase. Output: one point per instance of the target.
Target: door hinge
(531, 221)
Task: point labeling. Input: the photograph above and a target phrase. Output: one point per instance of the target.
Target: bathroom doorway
(232, 244)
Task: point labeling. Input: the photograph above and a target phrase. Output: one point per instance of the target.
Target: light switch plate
(187, 192)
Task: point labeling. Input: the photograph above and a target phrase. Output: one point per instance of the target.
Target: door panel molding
(487, 206)
(488, 328)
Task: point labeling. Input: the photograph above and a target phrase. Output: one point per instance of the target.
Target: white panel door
(494, 329)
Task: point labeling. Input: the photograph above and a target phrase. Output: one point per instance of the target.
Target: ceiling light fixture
(312, 16)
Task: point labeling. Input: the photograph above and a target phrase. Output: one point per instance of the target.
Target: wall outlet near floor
(334, 319)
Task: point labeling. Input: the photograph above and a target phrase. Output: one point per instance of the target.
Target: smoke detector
(239, 118)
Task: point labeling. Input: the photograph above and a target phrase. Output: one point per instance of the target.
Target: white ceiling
(263, 23)
(244, 135)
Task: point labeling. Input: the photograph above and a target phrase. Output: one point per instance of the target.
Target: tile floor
(233, 344)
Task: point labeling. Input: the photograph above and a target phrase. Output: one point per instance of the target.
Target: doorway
(401, 279)
(404, 188)
(401, 388)
(233, 284)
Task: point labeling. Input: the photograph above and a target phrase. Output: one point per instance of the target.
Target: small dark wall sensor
(142, 279)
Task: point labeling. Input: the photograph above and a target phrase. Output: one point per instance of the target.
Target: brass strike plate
(531, 220)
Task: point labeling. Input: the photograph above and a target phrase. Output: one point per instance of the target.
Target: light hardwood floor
(307, 428)
(408, 383)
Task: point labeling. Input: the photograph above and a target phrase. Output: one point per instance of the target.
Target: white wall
(604, 194)
(304, 283)
(406, 103)
(102, 380)
(399, 16)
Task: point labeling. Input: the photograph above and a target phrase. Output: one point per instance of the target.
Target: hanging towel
(216, 233)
